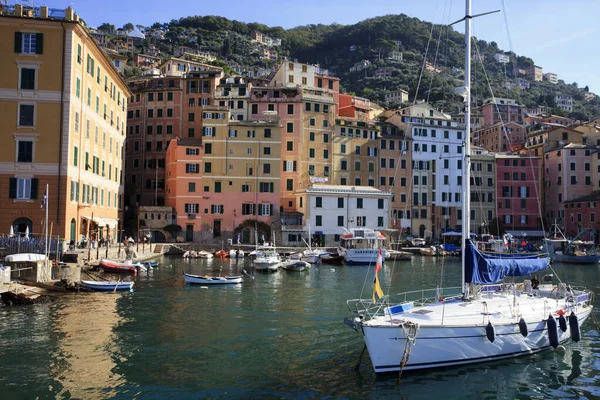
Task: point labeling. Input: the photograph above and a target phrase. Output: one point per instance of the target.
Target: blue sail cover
(480, 269)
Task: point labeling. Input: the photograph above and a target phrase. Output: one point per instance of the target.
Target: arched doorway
(73, 234)
(158, 237)
(23, 226)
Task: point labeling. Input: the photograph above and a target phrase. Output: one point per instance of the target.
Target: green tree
(128, 26)
(106, 27)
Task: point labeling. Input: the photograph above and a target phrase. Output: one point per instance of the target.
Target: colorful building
(519, 191)
(498, 110)
(63, 108)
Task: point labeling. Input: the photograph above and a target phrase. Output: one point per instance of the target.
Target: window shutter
(39, 43)
(284, 163)
(12, 190)
(34, 188)
(197, 168)
(270, 209)
(18, 49)
(294, 166)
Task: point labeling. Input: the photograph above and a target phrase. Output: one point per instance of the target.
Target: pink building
(183, 188)
(581, 213)
(518, 191)
(499, 137)
(497, 110)
(568, 171)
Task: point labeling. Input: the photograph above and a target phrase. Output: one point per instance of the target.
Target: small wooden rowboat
(118, 267)
(221, 254)
(211, 280)
(106, 286)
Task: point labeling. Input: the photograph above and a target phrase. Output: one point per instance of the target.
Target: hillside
(338, 47)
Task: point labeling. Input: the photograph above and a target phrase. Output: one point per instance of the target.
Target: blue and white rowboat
(107, 286)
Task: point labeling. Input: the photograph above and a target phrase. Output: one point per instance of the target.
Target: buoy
(552, 331)
(562, 323)
(560, 349)
(523, 327)
(490, 332)
(574, 326)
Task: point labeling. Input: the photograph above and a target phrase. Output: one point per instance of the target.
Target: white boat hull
(363, 256)
(267, 265)
(447, 345)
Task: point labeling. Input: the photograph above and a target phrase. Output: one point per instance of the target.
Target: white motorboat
(485, 319)
(198, 254)
(267, 260)
(361, 245)
(236, 253)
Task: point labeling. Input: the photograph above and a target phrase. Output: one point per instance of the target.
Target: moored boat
(361, 245)
(107, 286)
(126, 267)
(267, 260)
(221, 254)
(295, 265)
(236, 253)
(211, 280)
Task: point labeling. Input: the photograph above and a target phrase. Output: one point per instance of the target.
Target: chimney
(44, 12)
(18, 10)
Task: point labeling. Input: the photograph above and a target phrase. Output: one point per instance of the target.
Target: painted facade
(63, 108)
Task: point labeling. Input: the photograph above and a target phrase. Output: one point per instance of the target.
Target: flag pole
(46, 206)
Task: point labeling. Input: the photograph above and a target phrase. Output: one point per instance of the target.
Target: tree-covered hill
(338, 47)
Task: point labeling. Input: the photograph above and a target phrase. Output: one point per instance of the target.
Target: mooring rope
(411, 330)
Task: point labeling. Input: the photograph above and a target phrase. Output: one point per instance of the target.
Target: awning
(527, 233)
(112, 223)
(99, 221)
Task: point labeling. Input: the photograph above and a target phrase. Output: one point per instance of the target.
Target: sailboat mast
(466, 215)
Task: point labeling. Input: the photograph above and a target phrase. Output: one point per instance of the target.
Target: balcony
(191, 216)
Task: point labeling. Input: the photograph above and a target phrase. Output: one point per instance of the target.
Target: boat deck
(497, 308)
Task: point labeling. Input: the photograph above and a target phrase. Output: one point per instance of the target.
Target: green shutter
(12, 189)
(75, 156)
(39, 43)
(34, 188)
(294, 166)
(18, 49)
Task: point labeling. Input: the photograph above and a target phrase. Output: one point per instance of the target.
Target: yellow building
(240, 173)
(355, 153)
(63, 108)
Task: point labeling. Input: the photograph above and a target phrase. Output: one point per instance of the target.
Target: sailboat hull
(568, 259)
(443, 346)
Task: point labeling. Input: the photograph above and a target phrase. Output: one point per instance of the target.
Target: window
(28, 79)
(289, 185)
(23, 188)
(340, 202)
(24, 151)
(359, 203)
(340, 220)
(192, 168)
(290, 146)
(290, 109)
(290, 127)
(29, 43)
(380, 204)
(217, 187)
(318, 220)
(26, 114)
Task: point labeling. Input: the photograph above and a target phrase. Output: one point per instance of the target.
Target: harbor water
(280, 335)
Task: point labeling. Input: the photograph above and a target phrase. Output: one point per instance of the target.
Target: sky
(559, 35)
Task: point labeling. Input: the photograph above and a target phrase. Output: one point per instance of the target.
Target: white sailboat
(486, 319)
